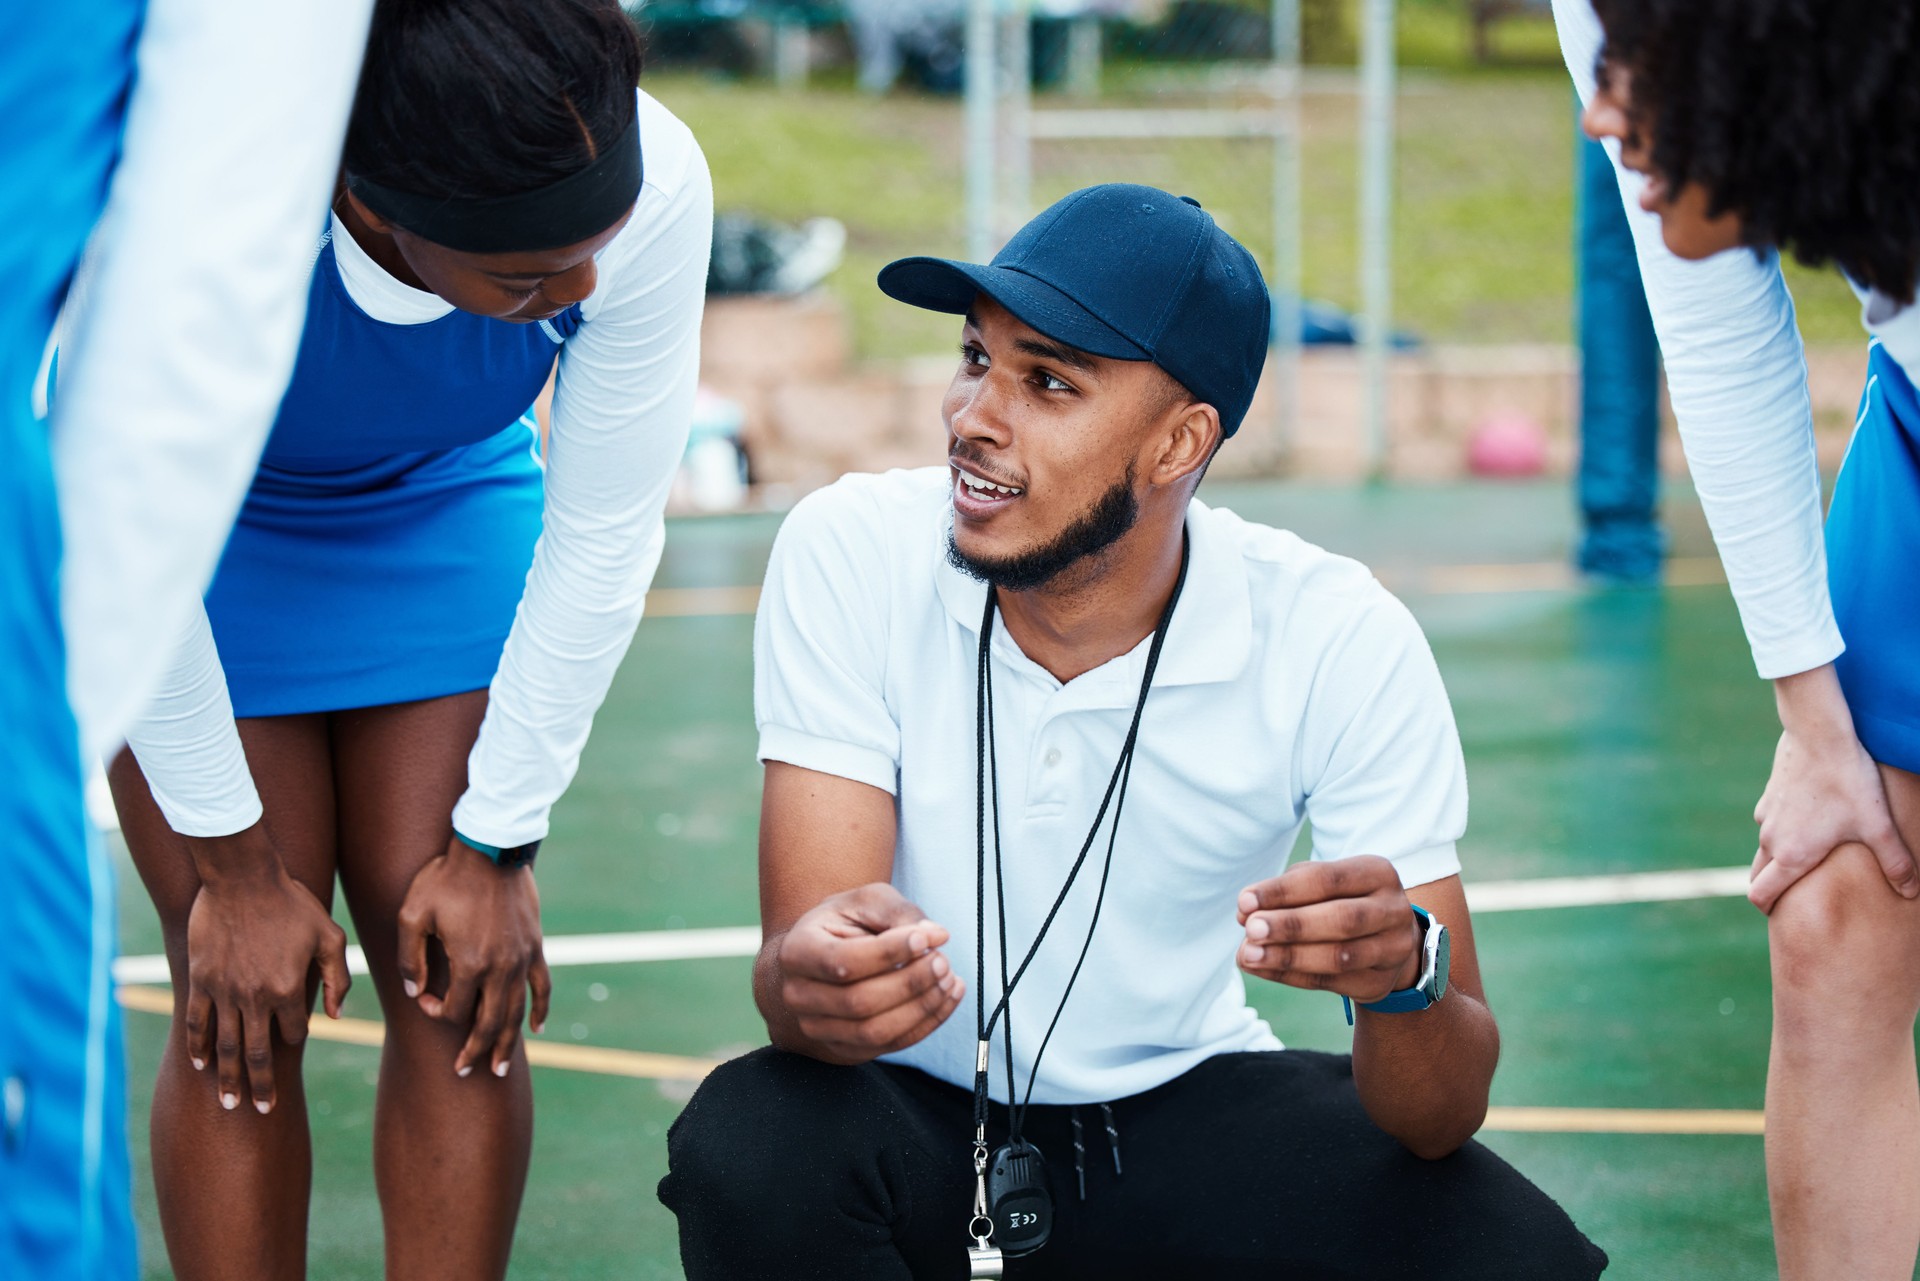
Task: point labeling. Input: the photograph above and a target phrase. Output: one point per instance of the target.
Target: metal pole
(1286, 226)
(1376, 221)
(1017, 194)
(981, 55)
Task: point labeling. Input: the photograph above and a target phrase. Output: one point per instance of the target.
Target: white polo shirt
(1292, 687)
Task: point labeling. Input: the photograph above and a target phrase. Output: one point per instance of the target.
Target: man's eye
(972, 355)
(1050, 383)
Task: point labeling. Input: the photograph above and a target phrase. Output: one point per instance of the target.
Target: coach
(1040, 731)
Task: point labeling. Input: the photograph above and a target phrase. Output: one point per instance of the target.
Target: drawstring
(1113, 1136)
(1079, 1151)
(1080, 1146)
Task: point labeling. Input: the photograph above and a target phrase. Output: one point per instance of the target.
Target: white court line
(744, 940)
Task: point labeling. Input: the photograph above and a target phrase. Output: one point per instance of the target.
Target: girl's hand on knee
(254, 936)
(1825, 791)
(487, 919)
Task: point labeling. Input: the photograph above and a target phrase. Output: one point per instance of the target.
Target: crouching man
(1040, 730)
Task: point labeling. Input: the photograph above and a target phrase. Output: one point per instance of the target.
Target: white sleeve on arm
(1379, 750)
(179, 355)
(1738, 380)
(622, 405)
(820, 644)
(187, 745)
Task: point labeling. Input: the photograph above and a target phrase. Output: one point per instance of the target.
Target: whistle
(984, 1260)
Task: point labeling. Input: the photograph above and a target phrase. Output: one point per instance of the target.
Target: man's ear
(1192, 436)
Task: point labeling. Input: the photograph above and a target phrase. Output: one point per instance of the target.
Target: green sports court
(1608, 733)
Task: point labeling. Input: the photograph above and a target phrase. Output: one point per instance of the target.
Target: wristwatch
(1432, 983)
(508, 857)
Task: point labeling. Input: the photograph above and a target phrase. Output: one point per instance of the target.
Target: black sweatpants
(784, 1167)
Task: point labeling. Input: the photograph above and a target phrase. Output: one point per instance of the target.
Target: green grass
(1483, 223)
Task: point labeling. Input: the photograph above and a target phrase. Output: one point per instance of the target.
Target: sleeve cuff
(1423, 867)
(1803, 655)
(240, 813)
(829, 756)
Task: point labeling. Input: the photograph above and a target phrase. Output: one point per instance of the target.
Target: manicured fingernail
(262, 1107)
(940, 967)
(1249, 901)
(500, 1069)
(917, 942)
(1258, 928)
(1250, 955)
(199, 1065)
(465, 1071)
(413, 989)
(229, 1101)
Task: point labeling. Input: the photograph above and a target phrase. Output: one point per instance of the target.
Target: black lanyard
(988, 790)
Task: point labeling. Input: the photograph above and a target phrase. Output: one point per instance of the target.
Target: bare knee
(1841, 934)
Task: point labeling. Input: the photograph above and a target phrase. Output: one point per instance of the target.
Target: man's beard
(1099, 527)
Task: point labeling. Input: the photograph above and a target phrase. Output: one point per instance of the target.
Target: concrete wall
(812, 413)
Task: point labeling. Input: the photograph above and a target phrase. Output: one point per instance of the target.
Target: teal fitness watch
(1432, 983)
(509, 857)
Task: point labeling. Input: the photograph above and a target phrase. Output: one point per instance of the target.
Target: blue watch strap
(1408, 1000)
(491, 851)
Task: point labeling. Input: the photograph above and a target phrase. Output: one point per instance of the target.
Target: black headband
(577, 207)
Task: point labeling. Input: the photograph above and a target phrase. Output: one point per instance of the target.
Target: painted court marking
(1437, 580)
(744, 940)
(672, 1067)
(137, 974)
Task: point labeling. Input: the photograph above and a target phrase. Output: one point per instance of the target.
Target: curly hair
(1800, 116)
(467, 99)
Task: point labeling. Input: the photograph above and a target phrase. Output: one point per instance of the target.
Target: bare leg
(1843, 1105)
(450, 1155)
(233, 1186)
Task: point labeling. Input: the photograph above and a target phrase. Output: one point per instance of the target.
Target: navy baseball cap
(1126, 272)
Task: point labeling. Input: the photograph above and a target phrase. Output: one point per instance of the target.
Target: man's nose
(982, 413)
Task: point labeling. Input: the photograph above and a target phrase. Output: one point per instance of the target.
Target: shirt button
(1053, 756)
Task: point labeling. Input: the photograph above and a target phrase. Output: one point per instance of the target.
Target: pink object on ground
(1507, 445)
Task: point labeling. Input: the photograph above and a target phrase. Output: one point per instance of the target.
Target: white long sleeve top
(1738, 380)
(622, 404)
(180, 335)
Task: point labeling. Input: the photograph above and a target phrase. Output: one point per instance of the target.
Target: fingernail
(1258, 928)
(538, 1028)
(916, 942)
(199, 1065)
(262, 1108)
(948, 983)
(229, 1101)
(1249, 901)
(1250, 955)
(500, 1069)
(465, 1071)
(413, 989)
(940, 967)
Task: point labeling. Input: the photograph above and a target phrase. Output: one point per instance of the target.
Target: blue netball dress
(65, 70)
(384, 545)
(1873, 551)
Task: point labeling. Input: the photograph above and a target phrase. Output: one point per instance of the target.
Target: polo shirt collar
(1212, 634)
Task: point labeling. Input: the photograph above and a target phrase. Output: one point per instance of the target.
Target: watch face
(1442, 949)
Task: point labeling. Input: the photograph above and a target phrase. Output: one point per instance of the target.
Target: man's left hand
(1343, 926)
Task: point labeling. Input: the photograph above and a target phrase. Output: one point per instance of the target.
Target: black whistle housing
(1019, 1198)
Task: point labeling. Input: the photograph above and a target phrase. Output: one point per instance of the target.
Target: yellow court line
(1438, 580)
(573, 1058)
(701, 602)
(672, 1067)
(1625, 1120)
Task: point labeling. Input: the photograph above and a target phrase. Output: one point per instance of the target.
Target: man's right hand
(253, 935)
(861, 975)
